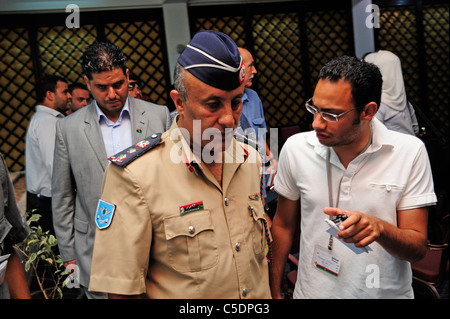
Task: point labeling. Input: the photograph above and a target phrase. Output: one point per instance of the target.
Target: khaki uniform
(176, 233)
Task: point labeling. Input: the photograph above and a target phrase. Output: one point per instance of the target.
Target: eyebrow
(115, 83)
(327, 109)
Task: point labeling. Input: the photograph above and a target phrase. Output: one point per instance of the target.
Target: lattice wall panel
(61, 50)
(328, 37)
(17, 81)
(397, 34)
(141, 44)
(280, 73)
(232, 26)
(436, 27)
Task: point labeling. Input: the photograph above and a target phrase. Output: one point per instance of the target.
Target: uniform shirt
(176, 233)
(39, 148)
(392, 174)
(116, 135)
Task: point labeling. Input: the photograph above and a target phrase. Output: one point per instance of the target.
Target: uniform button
(238, 246)
(154, 136)
(244, 292)
(191, 229)
(226, 201)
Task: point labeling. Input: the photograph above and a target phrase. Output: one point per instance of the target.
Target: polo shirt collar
(380, 139)
(46, 109)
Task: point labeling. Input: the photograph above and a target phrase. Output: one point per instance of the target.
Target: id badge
(324, 260)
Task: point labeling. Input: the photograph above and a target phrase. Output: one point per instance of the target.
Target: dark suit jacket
(79, 163)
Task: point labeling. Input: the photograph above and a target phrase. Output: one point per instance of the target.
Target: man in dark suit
(84, 142)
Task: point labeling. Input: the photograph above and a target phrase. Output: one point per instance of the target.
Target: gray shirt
(39, 148)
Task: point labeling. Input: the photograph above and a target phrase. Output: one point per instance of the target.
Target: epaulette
(129, 154)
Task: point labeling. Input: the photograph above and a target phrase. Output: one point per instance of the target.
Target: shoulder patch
(129, 154)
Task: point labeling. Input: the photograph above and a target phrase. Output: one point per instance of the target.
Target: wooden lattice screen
(290, 42)
(418, 34)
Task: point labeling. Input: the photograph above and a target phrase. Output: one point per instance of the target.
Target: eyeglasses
(330, 117)
(131, 85)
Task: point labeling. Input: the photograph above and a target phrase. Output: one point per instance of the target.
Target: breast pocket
(386, 193)
(258, 229)
(191, 242)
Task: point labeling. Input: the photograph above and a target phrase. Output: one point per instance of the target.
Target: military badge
(142, 144)
(189, 208)
(104, 214)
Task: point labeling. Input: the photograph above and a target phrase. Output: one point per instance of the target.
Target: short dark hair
(46, 83)
(365, 78)
(76, 85)
(102, 56)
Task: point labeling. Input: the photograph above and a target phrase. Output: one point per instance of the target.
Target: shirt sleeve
(419, 191)
(284, 182)
(122, 250)
(13, 228)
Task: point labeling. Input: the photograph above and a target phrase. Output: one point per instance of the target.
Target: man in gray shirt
(52, 96)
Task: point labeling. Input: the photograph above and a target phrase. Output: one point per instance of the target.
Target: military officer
(181, 214)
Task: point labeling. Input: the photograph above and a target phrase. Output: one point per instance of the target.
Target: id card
(325, 261)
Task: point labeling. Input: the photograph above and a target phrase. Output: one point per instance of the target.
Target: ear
(178, 101)
(127, 74)
(370, 110)
(86, 80)
(50, 96)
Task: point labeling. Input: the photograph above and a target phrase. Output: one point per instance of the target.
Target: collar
(245, 96)
(380, 140)
(49, 110)
(100, 114)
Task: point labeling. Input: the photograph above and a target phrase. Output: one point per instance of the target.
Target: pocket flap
(80, 225)
(188, 225)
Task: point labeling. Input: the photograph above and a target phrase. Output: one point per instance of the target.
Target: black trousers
(43, 206)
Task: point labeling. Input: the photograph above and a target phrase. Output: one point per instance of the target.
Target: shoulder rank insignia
(129, 154)
(104, 214)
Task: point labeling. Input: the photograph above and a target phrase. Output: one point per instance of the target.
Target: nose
(111, 93)
(226, 119)
(318, 123)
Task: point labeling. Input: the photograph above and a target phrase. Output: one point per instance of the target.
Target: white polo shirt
(392, 174)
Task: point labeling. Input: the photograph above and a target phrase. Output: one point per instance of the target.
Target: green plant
(39, 254)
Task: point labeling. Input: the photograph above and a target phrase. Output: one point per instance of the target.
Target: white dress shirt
(116, 135)
(39, 147)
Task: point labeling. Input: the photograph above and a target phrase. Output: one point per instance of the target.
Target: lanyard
(330, 192)
(330, 184)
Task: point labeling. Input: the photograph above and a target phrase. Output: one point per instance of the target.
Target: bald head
(250, 69)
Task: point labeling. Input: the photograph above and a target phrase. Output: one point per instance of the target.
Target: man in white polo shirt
(351, 165)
